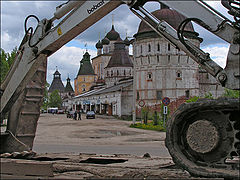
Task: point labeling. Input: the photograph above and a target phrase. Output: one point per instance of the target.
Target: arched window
(149, 48)
(149, 76)
(179, 75)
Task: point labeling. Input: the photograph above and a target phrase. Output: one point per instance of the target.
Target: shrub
(149, 126)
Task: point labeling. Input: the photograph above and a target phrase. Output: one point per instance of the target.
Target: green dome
(105, 41)
(126, 41)
(99, 45)
(112, 35)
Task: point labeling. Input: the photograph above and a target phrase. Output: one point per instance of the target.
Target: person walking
(79, 115)
(75, 115)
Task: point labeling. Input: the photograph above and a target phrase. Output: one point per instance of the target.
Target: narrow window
(159, 95)
(107, 74)
(149, 76)
(148, 59)
(158, 58)
(117, 72)
(187, 93)
(111, 73)
(158, 47)
(168, 59)
(178, 59)
(149, 48)
(179, 74)
(141, 48)
(124, 72)
(137, 95)
(169, 47)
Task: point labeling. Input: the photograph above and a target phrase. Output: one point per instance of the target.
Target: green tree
(6, 61)
(45, 97)
(231, 93)
(4, 66)
(11, 56)
(55, 99)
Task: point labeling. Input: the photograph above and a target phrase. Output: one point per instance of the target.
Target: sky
(67, 59)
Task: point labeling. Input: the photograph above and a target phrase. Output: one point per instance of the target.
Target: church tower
(119, 66)
(68, 89)
(57, 84)
(161, 69)
(85, 77)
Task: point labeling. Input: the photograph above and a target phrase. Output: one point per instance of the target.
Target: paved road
(111, 149)
(103, 135)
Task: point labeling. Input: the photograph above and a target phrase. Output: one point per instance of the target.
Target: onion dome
(105, 41)
(99, 45)
(112, 35)
(171, 16)
(119, 58)
(127, 42)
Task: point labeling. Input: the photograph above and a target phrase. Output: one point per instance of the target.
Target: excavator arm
(47, 40)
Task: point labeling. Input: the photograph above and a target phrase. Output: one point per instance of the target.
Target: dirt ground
(56, 132)
(111, 150)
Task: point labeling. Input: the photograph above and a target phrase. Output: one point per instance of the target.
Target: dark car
(90, 114)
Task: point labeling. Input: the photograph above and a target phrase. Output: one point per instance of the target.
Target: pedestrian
(75, 115)
(79, 115)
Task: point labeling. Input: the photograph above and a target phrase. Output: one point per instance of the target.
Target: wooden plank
(26, 167)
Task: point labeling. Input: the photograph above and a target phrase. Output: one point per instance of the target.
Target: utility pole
(134, 87)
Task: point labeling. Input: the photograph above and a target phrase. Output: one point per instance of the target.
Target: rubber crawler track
(223, 113)
(26, 110)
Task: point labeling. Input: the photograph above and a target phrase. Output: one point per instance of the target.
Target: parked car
(90, 114)
(60, 111)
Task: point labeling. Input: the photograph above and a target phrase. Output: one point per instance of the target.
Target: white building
(162, 70)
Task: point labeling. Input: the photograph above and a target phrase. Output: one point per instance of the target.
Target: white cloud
(218, 54)
(8, 43)
(67, 60)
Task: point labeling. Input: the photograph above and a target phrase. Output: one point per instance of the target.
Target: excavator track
(204, 138)
(24, 114)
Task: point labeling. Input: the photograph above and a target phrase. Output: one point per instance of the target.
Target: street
(103, 135)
